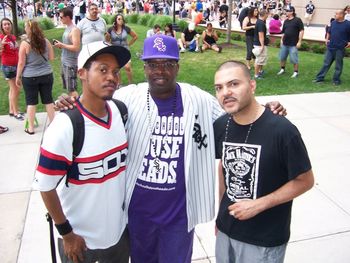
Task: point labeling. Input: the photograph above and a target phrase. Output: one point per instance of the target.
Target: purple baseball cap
(160, 46)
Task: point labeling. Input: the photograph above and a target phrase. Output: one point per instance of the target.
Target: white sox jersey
(93, 202)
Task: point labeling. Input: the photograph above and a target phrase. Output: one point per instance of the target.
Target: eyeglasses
(163, 65)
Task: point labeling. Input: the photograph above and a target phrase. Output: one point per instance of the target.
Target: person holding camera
(70, 46)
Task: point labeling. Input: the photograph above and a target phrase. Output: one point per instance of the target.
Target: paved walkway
(321, 218)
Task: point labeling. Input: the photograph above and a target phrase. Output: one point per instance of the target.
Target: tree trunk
(13, 6)
(229, 22)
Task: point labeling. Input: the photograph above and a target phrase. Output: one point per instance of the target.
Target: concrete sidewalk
(321, 217)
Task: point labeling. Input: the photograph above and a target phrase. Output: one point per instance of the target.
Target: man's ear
(252, 85)
(82, 73)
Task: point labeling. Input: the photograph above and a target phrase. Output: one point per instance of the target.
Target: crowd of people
(141, 181)
(86, 15)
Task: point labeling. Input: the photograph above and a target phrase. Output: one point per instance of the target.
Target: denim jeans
(330, 56)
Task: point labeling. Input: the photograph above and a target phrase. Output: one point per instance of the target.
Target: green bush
(237, 37)
(132, 18)
(46, 23)
(318, 49)
(108, 18)
(347, 52)
(20, 26)
(200, 30)
(304, 46)
(152, 21)
(143, 20)
(182, 24)
(163, 20)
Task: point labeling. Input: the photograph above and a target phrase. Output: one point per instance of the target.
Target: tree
(229, 22)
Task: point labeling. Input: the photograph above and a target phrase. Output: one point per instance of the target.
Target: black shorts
(34, 85)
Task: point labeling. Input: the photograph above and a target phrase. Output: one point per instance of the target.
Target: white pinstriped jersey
(93, 202)
(200, 111)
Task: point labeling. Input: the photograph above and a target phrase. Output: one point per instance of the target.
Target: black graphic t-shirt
(273, 155)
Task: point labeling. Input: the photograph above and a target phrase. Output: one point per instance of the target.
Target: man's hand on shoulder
(65, 102)
(276, 107)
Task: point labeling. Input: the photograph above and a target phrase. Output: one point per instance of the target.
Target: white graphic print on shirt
(166, 144)
(241, 168)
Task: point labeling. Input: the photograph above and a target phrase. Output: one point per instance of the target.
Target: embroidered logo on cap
(159, 44)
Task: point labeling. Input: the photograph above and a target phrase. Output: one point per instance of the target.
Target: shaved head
(235, 64)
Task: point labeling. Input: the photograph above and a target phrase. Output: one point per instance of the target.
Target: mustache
(110, 83)
(229, 98)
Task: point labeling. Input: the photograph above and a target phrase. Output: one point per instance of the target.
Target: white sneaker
(182, 50)
(295, 74)
(280, 72)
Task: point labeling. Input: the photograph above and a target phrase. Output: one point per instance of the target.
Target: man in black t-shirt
(260, 44)
(263, 166)
(293, 32)
(189, 39)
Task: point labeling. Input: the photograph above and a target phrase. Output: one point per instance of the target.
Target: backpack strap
(122, 109)
(78, 133)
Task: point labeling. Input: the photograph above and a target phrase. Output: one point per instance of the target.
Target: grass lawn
(198, 69)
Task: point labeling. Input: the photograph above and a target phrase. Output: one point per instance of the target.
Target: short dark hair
(235, 63)
(67, 12)
(92, 4)
(276, 16)
(156, 26)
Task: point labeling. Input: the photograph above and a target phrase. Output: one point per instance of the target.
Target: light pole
(175, 27)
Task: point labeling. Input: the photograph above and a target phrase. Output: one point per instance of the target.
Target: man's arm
(21, 62)
(247, 209)
(262, 39)
(183, 39)
(301, 35)
(75, 38)
(221, 182)
(73, 244)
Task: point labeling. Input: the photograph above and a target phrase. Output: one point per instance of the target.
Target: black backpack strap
(78, 133)
(122, 109)
(52, 239)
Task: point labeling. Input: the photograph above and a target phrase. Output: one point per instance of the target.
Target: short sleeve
(56, 153)
(295, 156)
(127, 29)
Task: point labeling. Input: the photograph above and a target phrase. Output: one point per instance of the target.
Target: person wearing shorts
(9, 60)
(70, 46)
(309, 12)
(35, 72)
(293, 32)
(260, 45)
